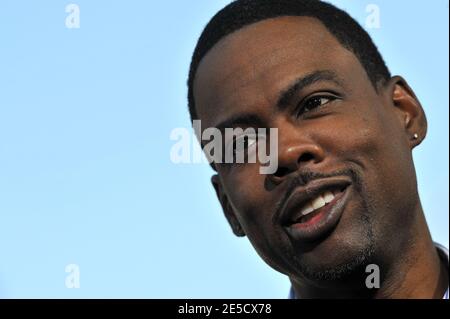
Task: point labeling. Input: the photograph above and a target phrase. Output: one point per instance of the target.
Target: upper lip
(290, 211)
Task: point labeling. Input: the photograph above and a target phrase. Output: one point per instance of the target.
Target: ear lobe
(411, 113)
(226, 207)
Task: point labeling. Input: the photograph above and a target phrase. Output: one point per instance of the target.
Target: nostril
(306, 157)
(281, 171)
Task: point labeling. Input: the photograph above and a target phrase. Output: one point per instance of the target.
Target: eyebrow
(303, 82)
(284, 99)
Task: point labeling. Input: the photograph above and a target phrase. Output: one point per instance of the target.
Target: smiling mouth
(311, 209)
(311, 212)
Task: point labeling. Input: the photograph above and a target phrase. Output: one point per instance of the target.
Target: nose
(294, 155)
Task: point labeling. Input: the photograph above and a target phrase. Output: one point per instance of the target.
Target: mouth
(312, 211)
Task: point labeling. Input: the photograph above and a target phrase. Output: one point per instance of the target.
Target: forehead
(246, 70)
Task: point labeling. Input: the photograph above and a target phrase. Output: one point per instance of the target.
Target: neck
(416, 272)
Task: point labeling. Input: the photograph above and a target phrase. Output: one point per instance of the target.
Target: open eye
(314, 102)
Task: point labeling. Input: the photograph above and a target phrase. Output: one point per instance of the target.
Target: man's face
(337, 135)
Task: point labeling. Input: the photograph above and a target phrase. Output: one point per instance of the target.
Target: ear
(409, 110)
(226, 207)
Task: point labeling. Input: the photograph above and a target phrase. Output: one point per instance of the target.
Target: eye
(241, 145)
(314, 102)
(243, 142)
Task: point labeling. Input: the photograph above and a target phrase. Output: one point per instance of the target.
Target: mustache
(302, 178)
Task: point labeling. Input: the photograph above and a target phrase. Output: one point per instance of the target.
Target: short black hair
(240, 13)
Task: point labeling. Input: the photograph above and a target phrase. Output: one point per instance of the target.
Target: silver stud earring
(416, 136)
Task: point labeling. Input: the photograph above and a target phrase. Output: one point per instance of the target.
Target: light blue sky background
(85, 173)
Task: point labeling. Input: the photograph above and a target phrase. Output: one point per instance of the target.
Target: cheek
(248, 197)
(365, 135)
(254, 206)
(374, 144)
(347, 138)
(379, 147)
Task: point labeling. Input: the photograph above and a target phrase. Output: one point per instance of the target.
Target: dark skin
(347, 128)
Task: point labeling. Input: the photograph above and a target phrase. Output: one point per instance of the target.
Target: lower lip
(323, 222)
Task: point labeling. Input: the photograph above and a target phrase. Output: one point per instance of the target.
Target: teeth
(307, 209)
(318, 202)
(336, 192)
(328, 196)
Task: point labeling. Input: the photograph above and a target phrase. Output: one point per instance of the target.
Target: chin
(336, 259)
